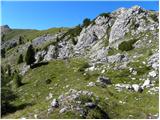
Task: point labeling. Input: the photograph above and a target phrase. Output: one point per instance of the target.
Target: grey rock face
(65, 50)
(9, 44)
(90, 42)
(43, 39)
(117, 58)
(51, 53)
(92, 33)
(40, 56)
(5, 29)
(153, 61)
(126, 20)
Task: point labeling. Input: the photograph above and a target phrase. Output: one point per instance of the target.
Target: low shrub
(105, 14)
(83, 67)
(86, 22)
(127, 45)
(154, 17)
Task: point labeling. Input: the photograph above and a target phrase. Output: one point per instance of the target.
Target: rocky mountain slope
(104, 68)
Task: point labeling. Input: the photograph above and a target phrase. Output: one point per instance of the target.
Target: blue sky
(47, 14)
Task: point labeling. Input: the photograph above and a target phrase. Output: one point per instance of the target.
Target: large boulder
(51, 53)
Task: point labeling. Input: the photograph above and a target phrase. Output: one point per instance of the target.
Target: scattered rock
(91, 84)
(103, 71)
(146, 83)
(153, 73)
(35, 116)
(90, 105)
(134, 72)
(103, 80)
(137, 88)
(121, 87)
(54, 103)
(63, 110)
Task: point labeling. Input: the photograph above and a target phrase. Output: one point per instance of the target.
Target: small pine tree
(20, 59)
(17, 80)
(30, 55)
(3, 52)
(86, 22)
(2, 37)
(20, 40)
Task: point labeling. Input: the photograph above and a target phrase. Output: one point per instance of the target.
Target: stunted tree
(2, 37)
(30, 55)
(20, 40)
(7, 96)
(17, 80)
(20, 59)
(3, 52)
(86, 22)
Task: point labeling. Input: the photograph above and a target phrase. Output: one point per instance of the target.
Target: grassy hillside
(32, 95)
(29, 34)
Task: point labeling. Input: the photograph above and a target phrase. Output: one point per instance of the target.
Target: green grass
(63, 73)
(29, 35)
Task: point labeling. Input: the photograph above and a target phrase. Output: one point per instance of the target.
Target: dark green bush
(154, 17)
(17, 80)
(48, 81)
(83, 67)
(97, 113)
(3, 52)
(127, 45)
(20, 41)
(3, 37)
(86, 22)
(105, 14)
(75, 31)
